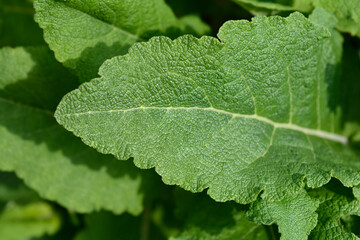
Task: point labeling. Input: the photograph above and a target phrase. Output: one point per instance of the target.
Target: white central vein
(309, 131)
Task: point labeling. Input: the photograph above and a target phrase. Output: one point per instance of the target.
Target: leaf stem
(145, 224)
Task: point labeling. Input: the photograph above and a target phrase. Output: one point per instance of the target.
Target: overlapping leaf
(246, 115)
(346, 11)
(335, 202)
(295, 215)
(83, 34)
(49, 159)
(261, 7)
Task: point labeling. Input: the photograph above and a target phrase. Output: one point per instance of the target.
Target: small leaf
(347, 13)
(295, 215)
(246, 115)
(263, 7)
(335, 202)
(29, 221)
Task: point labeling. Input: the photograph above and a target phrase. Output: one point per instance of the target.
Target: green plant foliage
(249, 129)
(261, 7)
(346, 11)
(335, 202)
(121, 227)
(83, 34)
(50, 160)
(24, 222)
(205, 219)
(22, 214)
(12, 189)
(17, 26)
(295, 215)
(257, 124)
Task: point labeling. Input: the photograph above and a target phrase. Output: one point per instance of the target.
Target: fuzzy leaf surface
(83, 34)
(295, 215)
(335, 202)
(246, 115)
(49, 159)
(346, 11)
(261, 7)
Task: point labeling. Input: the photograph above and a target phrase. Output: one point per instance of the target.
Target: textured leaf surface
(206, 219)
(347, 13)
(17, 26)
(27, 222)
(261, 7)
(246, 115)
(83, 34)
(295, 215)
(335, 202)
(50, 160)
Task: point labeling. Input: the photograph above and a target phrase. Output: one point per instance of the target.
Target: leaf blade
(158, 101)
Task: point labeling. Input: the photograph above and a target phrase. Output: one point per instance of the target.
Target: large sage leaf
(247, 115)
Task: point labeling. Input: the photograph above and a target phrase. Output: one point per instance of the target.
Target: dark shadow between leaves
(351, 224)
(350, 85)
(200, 211)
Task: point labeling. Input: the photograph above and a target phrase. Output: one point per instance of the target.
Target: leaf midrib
(306, 131)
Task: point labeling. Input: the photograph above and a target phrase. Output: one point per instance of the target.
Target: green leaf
(335, 202)
(262, 7)
(83, 34)
(206, 219)
(49, 159)
(17, 26)
(106, 226)
(347, 13)
(27, 222)
(295, 215)
(243, 116)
